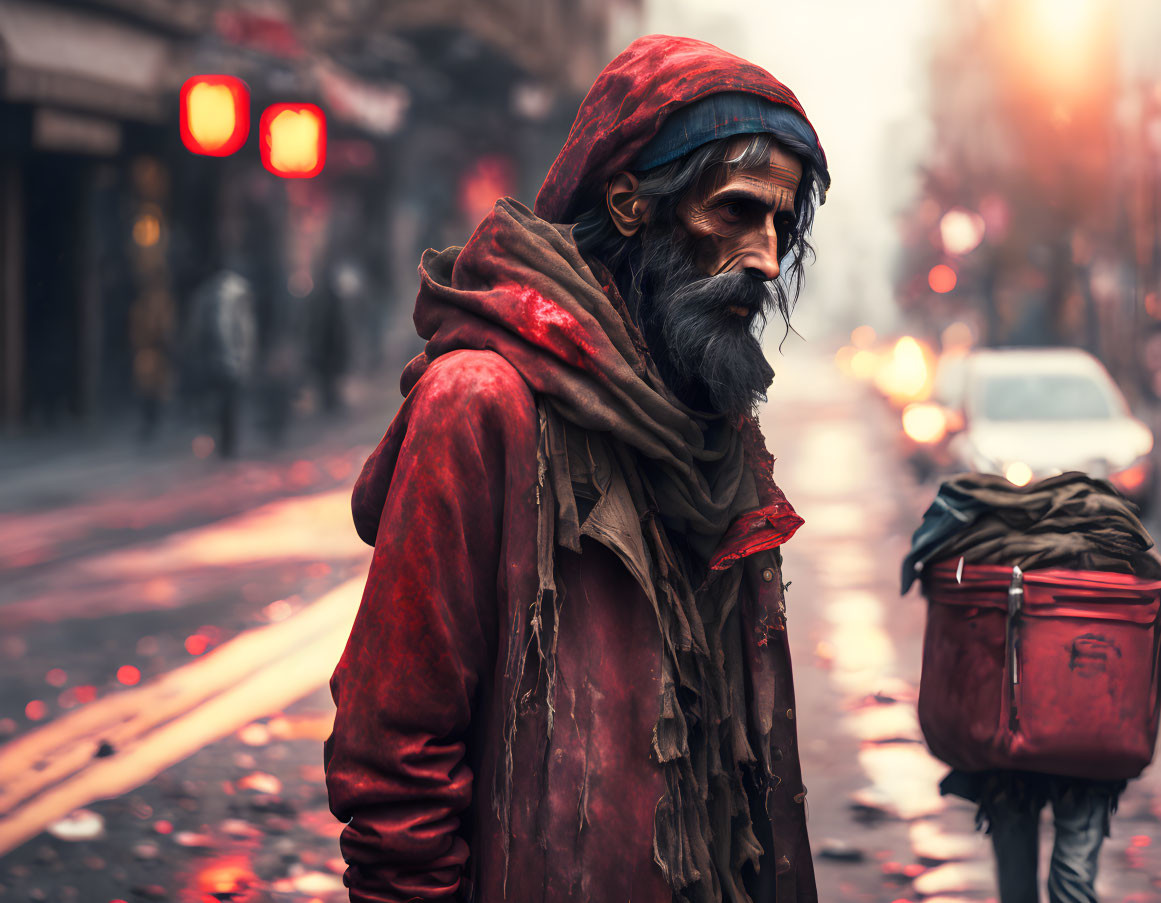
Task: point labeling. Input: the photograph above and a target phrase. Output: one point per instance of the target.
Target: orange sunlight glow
(1058, 43)
(1063, 24)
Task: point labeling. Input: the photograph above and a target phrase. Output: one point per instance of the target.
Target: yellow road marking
(50, 772)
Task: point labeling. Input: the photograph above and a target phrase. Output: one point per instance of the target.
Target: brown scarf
(612, 431)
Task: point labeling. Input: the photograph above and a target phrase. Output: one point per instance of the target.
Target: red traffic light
(215, 114)
(292, 138)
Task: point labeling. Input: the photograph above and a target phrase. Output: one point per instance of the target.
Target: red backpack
(1051, 670)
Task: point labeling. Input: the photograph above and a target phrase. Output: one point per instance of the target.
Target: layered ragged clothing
(569, 676)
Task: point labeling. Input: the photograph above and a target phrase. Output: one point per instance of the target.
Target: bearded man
(569, 676)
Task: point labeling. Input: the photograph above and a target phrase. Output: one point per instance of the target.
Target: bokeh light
(128, 675)
(942, 278)
(147, 230)
(863, 336)
(1018, 473)
(924, 423)
(196, 644)
(961, 231)
(292, 140)
(215, 114)
(203, 446)
(957, 337)
(863, 363)
(905, 375)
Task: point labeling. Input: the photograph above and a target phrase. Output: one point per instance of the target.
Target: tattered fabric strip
(522, 290)
(703, 834)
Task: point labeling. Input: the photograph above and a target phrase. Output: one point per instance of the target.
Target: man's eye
(785, 231)
(733, 211)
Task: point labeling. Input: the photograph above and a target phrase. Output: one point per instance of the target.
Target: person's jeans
(1081, 821)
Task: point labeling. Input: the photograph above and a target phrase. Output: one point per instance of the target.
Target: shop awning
(81, 60)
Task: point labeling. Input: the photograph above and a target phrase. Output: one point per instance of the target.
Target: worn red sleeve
(425, 637)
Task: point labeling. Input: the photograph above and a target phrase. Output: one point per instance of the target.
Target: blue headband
(723, 116)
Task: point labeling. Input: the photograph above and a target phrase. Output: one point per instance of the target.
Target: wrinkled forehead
(773, 171)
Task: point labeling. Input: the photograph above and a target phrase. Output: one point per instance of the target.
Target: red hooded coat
(450, 500)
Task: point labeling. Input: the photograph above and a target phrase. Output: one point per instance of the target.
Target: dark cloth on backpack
(1070, 520)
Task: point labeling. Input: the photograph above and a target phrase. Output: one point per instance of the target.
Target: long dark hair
(667, 184)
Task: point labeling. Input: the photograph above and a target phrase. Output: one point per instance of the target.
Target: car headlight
(1018, 473)
(924, 423)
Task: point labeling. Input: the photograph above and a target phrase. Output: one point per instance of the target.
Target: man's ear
(629, 212)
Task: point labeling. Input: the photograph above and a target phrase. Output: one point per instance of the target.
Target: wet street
(167, 634)
(879, 828)
(168, 627)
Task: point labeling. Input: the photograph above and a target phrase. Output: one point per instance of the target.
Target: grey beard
(710, 357)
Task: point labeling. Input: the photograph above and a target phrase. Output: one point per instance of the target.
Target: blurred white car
(1032, 413)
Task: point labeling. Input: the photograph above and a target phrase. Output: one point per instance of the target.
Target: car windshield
(949, 377)
(1043, 397)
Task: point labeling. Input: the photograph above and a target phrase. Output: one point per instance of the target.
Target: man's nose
(760, 259)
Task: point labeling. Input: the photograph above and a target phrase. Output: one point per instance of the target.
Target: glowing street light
(215, 114)
(292, 138)
(1018, 473)
(961, 231)
(942, 279)
(924, 422)
(905, 374)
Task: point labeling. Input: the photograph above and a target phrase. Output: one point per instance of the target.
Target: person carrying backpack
(1038, 595)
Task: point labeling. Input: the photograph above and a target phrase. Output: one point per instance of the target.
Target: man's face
(743, 223)
(707, 280)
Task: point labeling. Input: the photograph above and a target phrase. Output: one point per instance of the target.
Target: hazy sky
(860, 71)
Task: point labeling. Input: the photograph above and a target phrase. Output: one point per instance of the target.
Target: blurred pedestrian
(327, 342)
(152, 318)
(1010, 803)
(277, 383)
(1069, 528)
(224, 335)
(351, 284)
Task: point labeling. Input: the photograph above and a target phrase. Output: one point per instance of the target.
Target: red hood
(521, 289)
(631, 98)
